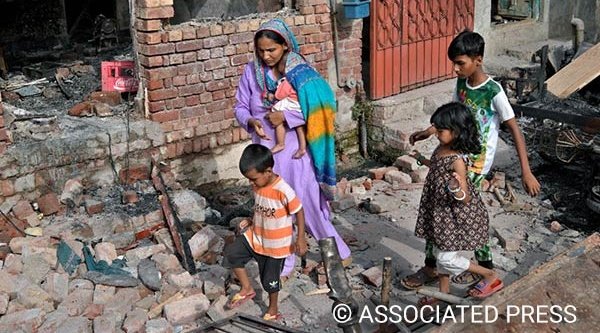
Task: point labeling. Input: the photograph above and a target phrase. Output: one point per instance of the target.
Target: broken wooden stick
(512, 197)
(155, 311)
(386, 285)
(320, 291)
(500, 197)
(443, 296)
(61, 85)
(14, 86)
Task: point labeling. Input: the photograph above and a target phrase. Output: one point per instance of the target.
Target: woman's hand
(276, 118)
(258, 128)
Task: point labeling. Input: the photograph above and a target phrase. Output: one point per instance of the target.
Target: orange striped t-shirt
(271, 233)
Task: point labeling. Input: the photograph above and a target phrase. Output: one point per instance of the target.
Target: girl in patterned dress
(451, 213)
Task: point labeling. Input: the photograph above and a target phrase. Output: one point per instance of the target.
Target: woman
(312, 178)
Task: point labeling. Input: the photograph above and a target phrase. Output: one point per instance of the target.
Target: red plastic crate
(119, 76)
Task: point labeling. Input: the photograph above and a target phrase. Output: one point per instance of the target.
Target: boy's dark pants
(239, 253)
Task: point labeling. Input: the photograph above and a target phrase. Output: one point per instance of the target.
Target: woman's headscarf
(316, 99)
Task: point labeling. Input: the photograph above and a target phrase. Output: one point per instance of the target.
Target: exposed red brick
(7, 188)
(160, 73)
(148, 3)
(161, 94)
(164, 116)
(193, 78)
(48, 204)
(157, 49)
(148, 25)
(191, 89)
(151, 61)
(130, 197)
(216, 41)
(23, 210)
(156, 106)
(112, 98)
(179, 80)
(202, 32)
(189, 33)
(189, 57)
(189, 45)
(192, 100)
(134, 173)
(154, 84)
(175, 35)
(156, 12)
(217, 85)
(93, 207)
(149, 37)
(78, 110)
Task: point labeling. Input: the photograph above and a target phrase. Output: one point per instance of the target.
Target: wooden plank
(576, 74)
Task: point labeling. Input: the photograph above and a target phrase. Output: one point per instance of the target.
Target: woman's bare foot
(299, 153)
(277, 148)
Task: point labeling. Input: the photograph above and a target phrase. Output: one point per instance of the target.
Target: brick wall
(191, 71)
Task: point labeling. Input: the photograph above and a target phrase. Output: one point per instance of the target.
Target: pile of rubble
(105, 260)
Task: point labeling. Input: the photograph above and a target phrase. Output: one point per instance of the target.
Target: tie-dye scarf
(316, 100)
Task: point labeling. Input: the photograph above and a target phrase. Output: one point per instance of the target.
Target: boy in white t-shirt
(490, 107)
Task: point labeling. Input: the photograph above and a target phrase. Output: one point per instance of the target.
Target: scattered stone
(111, 280)
(213, 290)
(182, 280)
(373, 276)
(399, 177)
(368, 184)
(358, 190)
(419, 175)
(72, 193)
(32, 296)
(343, 203)
(406, 163)
(187, 309)
(508, 240)
(106, 323)
(163, 236)
(134, 256)
(379, 173)
(202, 241)
(569, 233)
(134, 174)
(7, 284)
(76, 284)
(130, 197)
(28, 91)
(48, 204)
(166, 262)
(93, 311)
(4, 298)
(112, 98)
(22, 321)
(53, 321)
(76, 325)
(23, 210)
(160, 325)
(93, 207)
(102, 109)
(149, 274)
(503, 262)
(77, 301)
(499, 180)
(35, 267)
(189, 205)
(83, 109)
(13, 264)
(135, 320)
(103, 294)
(57, 285)
(105, 251)
(555, 227)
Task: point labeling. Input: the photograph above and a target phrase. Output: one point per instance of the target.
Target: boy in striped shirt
(269, 235)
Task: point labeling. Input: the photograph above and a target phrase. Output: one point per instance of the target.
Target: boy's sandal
(418, 279)
(466, 277)
(484, 289)
(270, 317)
(238, 299)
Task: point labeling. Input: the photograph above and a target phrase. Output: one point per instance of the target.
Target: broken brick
(379, 173)
(93, 207)
(81, 109)
(112, 98)
(48, 204)
(134, 173)
(130, 197)
(22, 210)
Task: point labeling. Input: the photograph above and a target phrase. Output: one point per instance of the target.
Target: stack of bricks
(4, 138)
(191, 71)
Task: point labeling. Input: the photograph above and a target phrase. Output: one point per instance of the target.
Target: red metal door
(409, 41)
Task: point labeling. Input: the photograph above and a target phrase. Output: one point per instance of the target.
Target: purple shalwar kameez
(298, 173)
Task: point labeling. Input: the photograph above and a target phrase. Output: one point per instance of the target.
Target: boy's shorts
(239, 253)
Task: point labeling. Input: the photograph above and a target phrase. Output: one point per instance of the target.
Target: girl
(451, 213)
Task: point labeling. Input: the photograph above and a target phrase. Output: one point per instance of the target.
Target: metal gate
(409, 41)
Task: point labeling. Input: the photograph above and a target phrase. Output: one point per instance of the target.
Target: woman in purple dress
(273, 43)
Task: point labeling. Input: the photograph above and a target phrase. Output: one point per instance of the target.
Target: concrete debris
(189, 205)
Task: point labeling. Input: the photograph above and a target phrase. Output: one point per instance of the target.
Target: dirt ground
(390, 234)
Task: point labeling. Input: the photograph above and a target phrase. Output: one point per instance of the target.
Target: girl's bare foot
(299, 153)
(277, 148)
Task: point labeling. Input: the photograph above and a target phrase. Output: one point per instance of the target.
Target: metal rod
(444, 297)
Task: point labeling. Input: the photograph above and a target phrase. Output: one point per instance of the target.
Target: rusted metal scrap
(173, 222)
